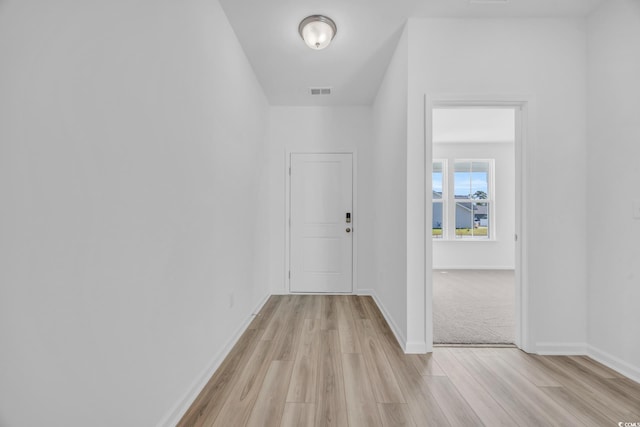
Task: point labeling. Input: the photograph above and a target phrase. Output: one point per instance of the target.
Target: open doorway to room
(473, 225)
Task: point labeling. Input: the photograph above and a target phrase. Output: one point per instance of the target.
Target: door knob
(348, 230)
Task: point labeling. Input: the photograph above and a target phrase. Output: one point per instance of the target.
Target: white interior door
(321, 223)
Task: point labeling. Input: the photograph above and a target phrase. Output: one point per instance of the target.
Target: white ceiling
(368, 32)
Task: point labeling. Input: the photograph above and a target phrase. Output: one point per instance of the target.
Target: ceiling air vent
(320, 91)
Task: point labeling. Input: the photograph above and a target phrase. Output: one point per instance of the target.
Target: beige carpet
(473, 307)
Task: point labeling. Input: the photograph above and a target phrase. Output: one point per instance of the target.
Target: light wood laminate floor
(333, 361)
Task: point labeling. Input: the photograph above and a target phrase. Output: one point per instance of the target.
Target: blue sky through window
(437, 182)
(467, 183)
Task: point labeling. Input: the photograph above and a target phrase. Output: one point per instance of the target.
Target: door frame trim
(525, 124)
(354, 222)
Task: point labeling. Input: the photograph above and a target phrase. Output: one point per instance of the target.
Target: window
(469, 194)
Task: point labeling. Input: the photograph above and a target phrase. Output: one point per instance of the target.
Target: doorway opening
(474, 222)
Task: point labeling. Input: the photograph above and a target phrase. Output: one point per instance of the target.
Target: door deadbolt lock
(348, 230)
(348, 217)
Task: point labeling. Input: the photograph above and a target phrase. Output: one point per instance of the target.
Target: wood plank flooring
(333, 361)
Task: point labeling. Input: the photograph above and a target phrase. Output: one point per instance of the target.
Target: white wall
(498, 253)
(131, 143)
(319, 129)
(390, 186)
(614, 174)
(542, 61)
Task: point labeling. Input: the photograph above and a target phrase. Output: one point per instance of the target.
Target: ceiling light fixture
(317, 31)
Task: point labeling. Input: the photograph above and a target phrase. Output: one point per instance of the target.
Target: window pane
(437, 220)
(472, 220)
(479, 180)
(471, 180)
(462, 180)
(436, 179)
(481, 220)
(464, 219)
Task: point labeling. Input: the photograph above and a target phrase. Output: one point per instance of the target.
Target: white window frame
(449, 201)
(444, 200)
(490, 200)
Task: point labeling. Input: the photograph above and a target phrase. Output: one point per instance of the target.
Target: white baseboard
(561, 349)
(402, 340)
(474, 267)
(416, 347)
(614, 363)
(174, 416)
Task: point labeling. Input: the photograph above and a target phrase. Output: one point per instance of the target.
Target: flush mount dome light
(317, 31)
